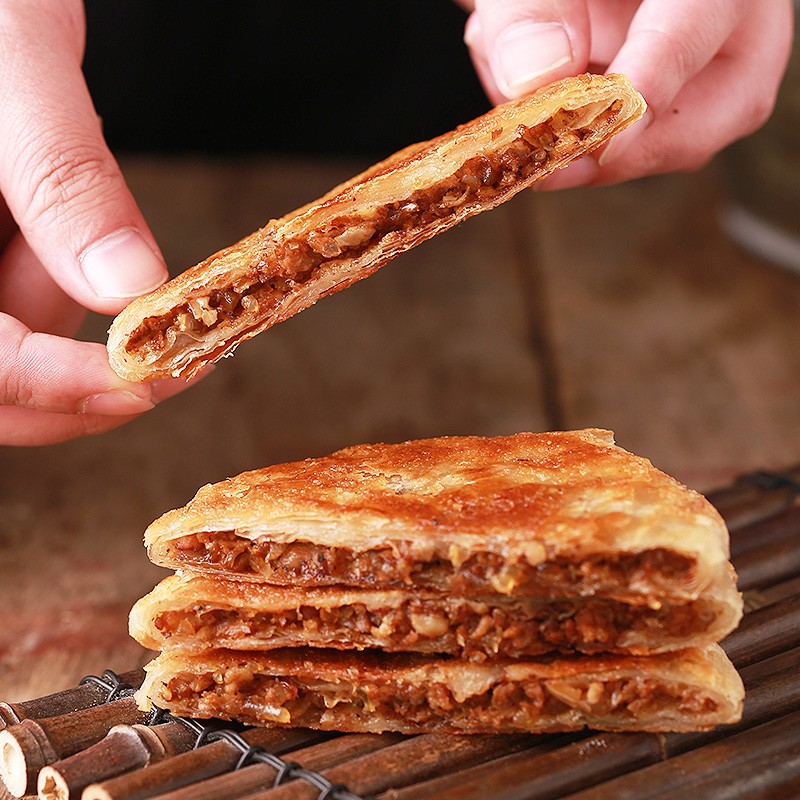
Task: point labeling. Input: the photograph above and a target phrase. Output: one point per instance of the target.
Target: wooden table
(623, 307)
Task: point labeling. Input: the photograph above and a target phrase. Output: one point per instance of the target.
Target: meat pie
(372, 692)
(532, 514)
(533, 582)
(193, 613)
(346, 235)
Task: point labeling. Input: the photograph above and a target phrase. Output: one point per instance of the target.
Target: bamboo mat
(758, 757)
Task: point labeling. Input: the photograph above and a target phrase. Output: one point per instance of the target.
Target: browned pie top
(529, 495)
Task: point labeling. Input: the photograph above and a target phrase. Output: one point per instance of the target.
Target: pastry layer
(682, 691)
(566, 513)
(653, 571)
(197, 613)
(291, 263)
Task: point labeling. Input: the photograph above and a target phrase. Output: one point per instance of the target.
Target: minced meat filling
(307, 564)
(480, 179)
(474, 630)
(249, 697)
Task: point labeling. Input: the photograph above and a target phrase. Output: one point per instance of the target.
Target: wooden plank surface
(666, 332)
(621, 308)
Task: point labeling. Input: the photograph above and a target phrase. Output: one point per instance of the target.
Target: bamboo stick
(124, 748)
(785, 525)
(29, 746)
(764, 506)
(534, 773)
(779, 591)
(739, 765)
(755, 599)
(765, 632)
(260, 777)
(86, 695)
(780, 787)
(407, 762)
(740, 509)
(769, 564)
(745, 501)
(197, 765)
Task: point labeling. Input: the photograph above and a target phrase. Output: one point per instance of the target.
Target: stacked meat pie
(535, 582)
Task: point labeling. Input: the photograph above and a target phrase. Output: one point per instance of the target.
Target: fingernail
(622, 141)
(122, 265)
(116, 402)
(527, 51)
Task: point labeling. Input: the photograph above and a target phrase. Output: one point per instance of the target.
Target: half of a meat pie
(346, 235)
(371, 692)
(558, 514)
(195, 613)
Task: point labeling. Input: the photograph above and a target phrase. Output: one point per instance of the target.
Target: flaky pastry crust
(372, 692)
(196, 612)
(528, 514)
(349, 233)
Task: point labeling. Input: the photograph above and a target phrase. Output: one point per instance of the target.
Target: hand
(71, 237)
(709, 71)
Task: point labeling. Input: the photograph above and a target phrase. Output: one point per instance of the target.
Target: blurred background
(642, 307)
(344, 78)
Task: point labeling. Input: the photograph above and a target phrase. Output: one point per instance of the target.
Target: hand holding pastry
(708, 71)
(71, 237)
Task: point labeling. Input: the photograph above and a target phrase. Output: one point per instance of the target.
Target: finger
(30, 295)
(25, 426)
(60, 181)
(733, 96)
(668, 44)
(473, 38)
(49, 373)
(582, 172)
(609, 21)
(528, 43)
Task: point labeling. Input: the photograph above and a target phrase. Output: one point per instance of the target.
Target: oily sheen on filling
(289, 264)
(254, 699)
(466, 628)
(308, 564)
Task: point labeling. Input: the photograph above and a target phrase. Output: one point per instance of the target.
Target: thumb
(529, 43)
(61, 183)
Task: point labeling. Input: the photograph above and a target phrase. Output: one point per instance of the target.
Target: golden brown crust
(563, 512)
(202, 314)
(687, 690)
(195, 612)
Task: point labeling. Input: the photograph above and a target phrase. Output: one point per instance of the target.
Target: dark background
(352, 78)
